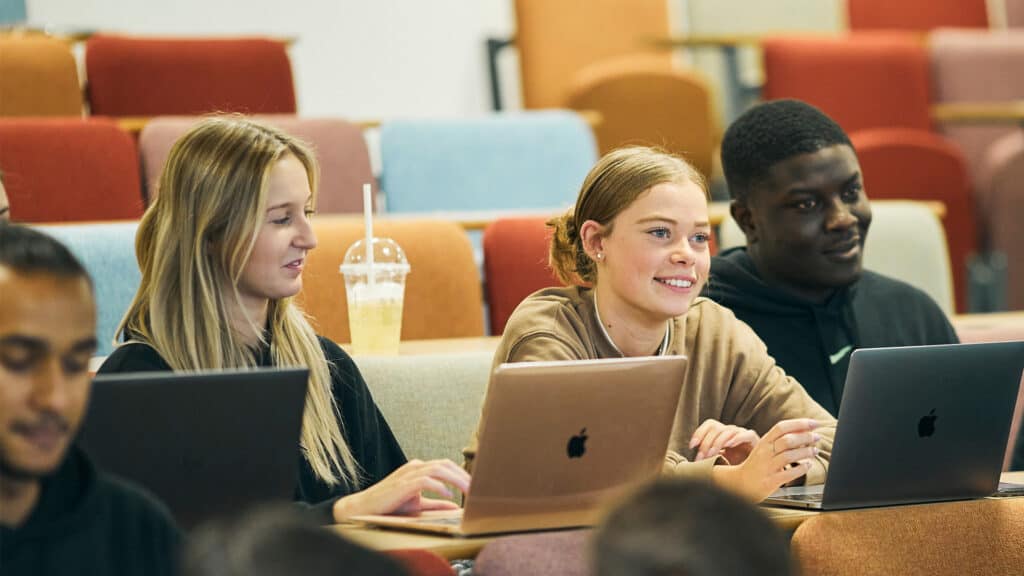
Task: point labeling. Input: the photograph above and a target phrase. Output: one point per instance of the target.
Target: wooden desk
(1011, 112)
(994, 327)
(787, 519)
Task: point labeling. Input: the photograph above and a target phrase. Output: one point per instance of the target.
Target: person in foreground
(677, 526)
(277, 542)
(221, 251)
(798, 194)
(634, 252)
(58, 513)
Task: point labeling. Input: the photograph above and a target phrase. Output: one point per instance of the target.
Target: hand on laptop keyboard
(401, 492)
(784, 454)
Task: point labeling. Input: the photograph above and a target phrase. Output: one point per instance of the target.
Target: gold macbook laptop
(559, 441)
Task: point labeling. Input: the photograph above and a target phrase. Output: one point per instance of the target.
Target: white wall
(354, 58)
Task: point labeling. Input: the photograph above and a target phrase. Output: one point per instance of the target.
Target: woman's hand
(401, 492)
(784, 454)
(714, 438)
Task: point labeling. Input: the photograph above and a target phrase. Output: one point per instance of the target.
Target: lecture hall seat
(144, 76)
(860, 80)
(968, 537)
(38, 77)
(648, 104)
(916, 15)
(525, 160)
(339, 146)
(69, 170)
(443, 298)
(902, 164)
(556, 39)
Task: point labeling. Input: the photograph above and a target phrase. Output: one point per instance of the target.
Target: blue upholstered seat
(522, 161)
(107, 250)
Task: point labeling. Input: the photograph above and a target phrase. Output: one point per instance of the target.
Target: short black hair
(29, 251)
(692, 527)
(770, 133)
(275, 540)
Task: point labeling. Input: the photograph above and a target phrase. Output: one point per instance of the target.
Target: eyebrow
(83, 345)
(702, 223)
(795, 191)
(5, 210)
(286, 204)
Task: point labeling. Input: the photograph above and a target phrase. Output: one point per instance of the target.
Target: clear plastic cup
(375, 304)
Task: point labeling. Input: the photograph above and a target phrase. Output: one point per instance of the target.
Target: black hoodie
(813, 342)
(86, 522)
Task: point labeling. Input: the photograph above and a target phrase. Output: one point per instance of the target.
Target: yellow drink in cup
(374, 293)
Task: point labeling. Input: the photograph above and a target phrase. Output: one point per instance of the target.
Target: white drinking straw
(368, 221)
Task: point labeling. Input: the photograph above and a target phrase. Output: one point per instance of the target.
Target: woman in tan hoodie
(634, 255)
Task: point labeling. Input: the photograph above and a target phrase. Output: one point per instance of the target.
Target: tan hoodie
(729, 377)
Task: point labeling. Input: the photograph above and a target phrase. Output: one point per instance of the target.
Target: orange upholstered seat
(38, 77)
(972, 537)
(644, 103)
(442, 292)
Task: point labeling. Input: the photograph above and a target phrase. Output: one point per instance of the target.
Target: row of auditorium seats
(444, 298)
(532, 160)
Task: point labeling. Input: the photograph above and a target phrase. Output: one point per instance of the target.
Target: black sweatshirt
(86, 522)
(368, 435)
(813, 342)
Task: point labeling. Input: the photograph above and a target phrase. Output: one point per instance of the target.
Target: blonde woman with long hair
(634, 256)
(221, 250)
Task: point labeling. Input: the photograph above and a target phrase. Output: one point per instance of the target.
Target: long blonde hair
(195, 239)
(617, 179)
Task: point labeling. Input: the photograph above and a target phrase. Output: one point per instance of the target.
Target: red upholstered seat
(860, 80)
(918, 165)
(65, 170)
(916, 15)
(130, 76)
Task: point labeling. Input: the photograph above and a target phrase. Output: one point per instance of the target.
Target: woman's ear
(592, 238)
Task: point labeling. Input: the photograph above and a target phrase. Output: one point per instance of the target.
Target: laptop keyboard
(804, 497)
(1007, 490)
(440, 521)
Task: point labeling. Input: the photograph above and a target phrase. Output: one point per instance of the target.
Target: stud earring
(600, 255)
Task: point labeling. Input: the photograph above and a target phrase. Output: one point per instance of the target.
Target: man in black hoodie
(58, 514)
(798, 195)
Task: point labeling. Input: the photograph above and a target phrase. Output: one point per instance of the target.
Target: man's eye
(18, 360)
(808, 204)
(75, 364)
(852, 194)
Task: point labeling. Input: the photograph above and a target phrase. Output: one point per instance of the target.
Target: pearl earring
(600, 255)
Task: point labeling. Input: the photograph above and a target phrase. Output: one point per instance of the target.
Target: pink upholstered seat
(339, 145)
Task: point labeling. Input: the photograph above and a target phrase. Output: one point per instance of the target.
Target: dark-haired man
(798, 195)
(58, 514)
(685, 526)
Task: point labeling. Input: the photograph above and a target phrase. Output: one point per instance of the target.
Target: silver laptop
(559, 441)
(206, 443)
(919, 424)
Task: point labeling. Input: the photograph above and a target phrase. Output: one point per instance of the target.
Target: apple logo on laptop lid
(926, 425)
(576, 447)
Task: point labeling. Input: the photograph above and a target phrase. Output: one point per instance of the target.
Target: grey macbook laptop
(559, 440)
(919, 424)
(206, 444)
